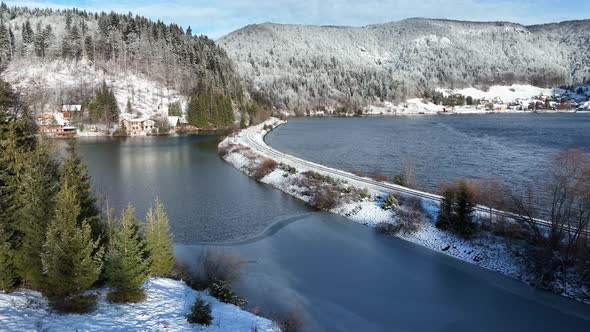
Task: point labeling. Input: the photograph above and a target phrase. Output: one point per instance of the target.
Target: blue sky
(216, 18)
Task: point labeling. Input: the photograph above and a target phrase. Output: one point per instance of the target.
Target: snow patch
(168, 302)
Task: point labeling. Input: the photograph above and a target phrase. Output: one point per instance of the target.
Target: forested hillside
(56, 57)
(318, 67)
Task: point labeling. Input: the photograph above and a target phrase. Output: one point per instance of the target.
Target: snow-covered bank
(361, 202)
(168, 302)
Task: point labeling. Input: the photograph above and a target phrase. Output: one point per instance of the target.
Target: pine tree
(89, 48)
(126, 265)
(73, 171)
(72, 260)
(159, 240)
(465, 207)
(445, 211)
(38, 184)
(7, 270)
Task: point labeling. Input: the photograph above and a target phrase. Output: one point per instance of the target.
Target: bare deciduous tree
(567, 201)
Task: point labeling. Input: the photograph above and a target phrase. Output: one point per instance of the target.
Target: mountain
(306, 68)
(56, 57)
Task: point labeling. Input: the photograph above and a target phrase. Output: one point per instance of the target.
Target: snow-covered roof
(71, 108)
(137, 120)
(173, 121)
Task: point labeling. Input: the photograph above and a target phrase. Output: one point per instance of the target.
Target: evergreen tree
(126, 265)
(456, 209)
(174, 109)
(465, 207)
(89, 48)
(73, 171)
(72, 260)
(7, 270)
(445, 211)
(104, 107)
(159, 240)
(38, 184)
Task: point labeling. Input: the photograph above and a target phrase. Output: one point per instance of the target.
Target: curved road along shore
(253, 137)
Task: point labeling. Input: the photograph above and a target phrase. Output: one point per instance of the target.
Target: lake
(513, 148)
(341, 276)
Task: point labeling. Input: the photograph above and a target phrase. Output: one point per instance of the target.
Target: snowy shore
(168, 302)
(247, 151)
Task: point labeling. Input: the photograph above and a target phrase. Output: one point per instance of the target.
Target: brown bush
(74, 305)
(290, 321)
(209, 266)
(265, 168)
(378, 177)
(135, 296)
(325, 198)
(412, 203)
(222, 151)
(509, 230)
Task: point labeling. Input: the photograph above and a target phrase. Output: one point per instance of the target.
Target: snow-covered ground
(168, 302)
(506, 93)
(243, 151)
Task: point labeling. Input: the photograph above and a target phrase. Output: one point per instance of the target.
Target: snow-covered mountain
(316, 67)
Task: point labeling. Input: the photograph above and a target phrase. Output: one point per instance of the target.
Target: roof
(71, 108)
(173, 121)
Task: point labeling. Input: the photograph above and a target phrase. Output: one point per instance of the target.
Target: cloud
(218, 17)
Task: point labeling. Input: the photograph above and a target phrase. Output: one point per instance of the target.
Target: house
(70, 111)
(57, 130)
(141, 126)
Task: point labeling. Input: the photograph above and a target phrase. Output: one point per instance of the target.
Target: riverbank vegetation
(550, 219)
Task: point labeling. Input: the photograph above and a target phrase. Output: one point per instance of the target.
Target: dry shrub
(412, 203)
(223, 151)
(290, 321)
(357, 172)
(134, 296)
(509, 230)
(408, 221)
(378, 177)
(325, 198)
(265, 168)
(74, 305)
(212, 265)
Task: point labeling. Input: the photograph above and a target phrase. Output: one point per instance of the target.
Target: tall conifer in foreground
(127, 267)
(160, 242)
(72, 260)
(7, 274)
(75, 172)
(38, 185)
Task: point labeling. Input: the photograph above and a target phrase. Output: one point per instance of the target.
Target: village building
(69, 112)
(141, 126)
(57, 130)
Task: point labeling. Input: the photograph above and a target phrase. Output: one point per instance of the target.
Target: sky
(216, 18)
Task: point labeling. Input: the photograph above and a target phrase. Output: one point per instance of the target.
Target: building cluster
(67, 122)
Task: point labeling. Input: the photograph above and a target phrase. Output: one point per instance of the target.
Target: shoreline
(247, 151)
(315, 115)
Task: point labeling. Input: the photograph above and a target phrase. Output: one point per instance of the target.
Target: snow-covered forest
(56, 57)
(318, 67)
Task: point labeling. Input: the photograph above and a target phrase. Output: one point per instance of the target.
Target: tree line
(53, 237)
(119, 42)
